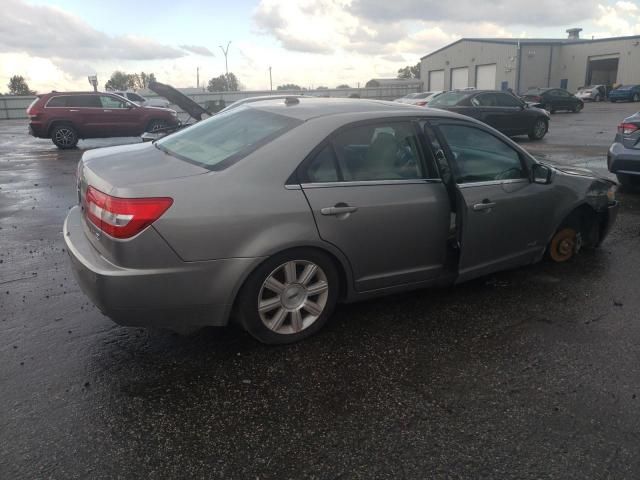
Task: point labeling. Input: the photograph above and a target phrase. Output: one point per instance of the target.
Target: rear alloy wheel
(155, 125)
(578, 108)
(563, 245)
(289, 297)
(636, 97)
(64, 136)
(539, 130)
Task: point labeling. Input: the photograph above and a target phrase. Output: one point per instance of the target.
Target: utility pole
(270, 80)
(226, 63)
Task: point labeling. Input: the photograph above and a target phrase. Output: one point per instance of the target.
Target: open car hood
(177, 98)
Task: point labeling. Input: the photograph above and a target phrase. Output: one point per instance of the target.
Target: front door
(376, 197)
(502, 223)
(120, 116)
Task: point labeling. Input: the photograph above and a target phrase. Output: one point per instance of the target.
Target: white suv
(145, 102)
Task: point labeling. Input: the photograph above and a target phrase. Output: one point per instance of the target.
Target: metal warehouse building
(520, 64)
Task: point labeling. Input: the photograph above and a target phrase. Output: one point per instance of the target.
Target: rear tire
(155, 125)
(636, 97)
(578, 108)
(539, 130)
(597, 99)
(64, 136)
(289, 297)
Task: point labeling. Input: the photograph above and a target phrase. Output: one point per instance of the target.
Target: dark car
(501, 110)
(623, 157)
(65, 117)
(628, 93)
(553, 99)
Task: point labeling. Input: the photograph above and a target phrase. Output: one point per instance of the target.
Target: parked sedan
(553, 99)
(501, 110)
(625, 93)
(275, 211)
(595, 93)
(623, 157)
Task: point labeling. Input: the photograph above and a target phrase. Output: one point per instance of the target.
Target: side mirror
(541, 174)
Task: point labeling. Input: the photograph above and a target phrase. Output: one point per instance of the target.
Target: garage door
(459, 78)
(486, 77)
(436, 80)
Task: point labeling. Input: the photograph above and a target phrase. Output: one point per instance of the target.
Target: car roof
(306, 108)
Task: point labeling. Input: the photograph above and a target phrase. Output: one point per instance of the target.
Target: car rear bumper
(621, 159)
(37, 130)
(193, 294)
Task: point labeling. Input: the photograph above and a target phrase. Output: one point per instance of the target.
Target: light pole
(270, 80)
(226, 63)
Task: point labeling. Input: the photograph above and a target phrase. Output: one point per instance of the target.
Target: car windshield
(226, 137)
(448, 99)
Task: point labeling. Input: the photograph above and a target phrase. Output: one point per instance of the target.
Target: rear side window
(135, 97)
(384, 151)
(83, 101)
(57, 102)
(323, 167)
(226, 137)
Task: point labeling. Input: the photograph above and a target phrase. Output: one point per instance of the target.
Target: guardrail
(14, 107)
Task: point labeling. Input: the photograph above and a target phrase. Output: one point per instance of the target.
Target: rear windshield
(219, 141)
(448, 99)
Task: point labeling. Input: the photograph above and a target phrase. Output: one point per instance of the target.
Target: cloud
(45, 31)
(621, 19)
(198, 50)
(522, 12)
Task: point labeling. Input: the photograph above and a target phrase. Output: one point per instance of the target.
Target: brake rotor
(563, 245)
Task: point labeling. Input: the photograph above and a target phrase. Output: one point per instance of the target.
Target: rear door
(503, 222)
(485, 108)
(86, 113)
(377, 198)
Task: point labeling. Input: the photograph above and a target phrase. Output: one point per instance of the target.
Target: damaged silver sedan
(275, 211)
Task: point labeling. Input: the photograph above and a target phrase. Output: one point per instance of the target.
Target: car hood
(177, 98)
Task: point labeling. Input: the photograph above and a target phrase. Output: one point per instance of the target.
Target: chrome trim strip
(493, 182)
(370, 183)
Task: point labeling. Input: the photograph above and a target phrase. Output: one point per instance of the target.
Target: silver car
(274, 211)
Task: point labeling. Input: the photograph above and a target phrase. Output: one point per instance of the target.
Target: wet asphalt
(531, 373)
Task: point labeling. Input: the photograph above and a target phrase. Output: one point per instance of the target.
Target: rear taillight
(34, 111)
(627, 128)
(123, 217)
(422, 103)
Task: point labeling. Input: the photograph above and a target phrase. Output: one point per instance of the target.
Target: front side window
(485, 100)
(506, 100)
(379, 152)
(478, 156)
(226, 137)
(108, 101)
